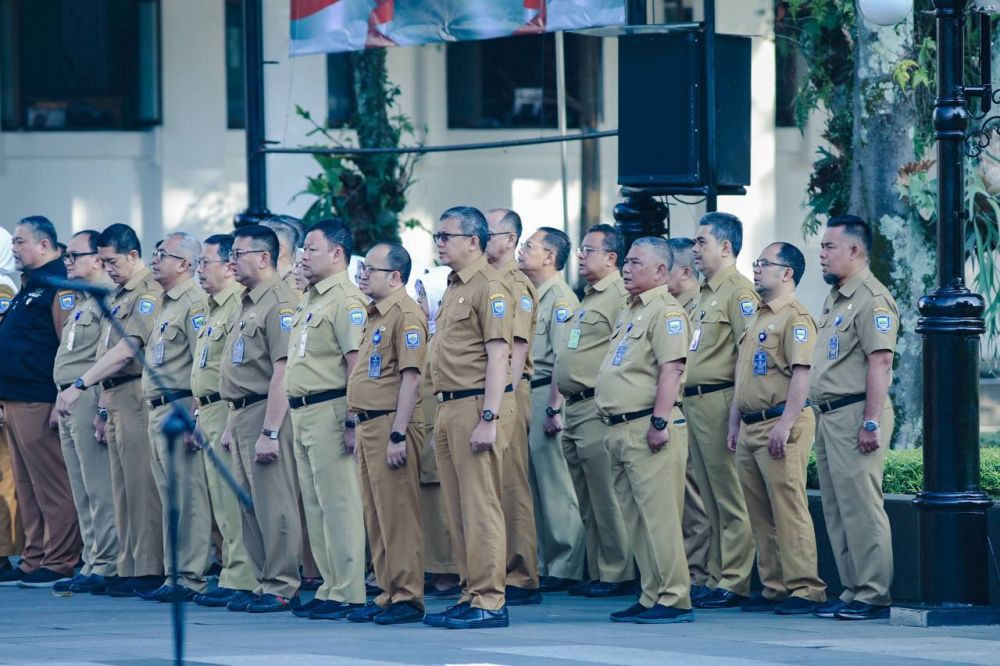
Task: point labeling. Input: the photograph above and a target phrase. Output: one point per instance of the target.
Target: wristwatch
(102, 413)
(658, 422)
(397, 437)
(79, 384)
(870, 426)
(351, 422)
(488, 415)
(550, 412)
(270, 434)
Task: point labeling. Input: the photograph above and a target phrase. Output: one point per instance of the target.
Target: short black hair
(613, 241)
(42, 228)
(791, 255)
(681, 247)
(472, 222)
(725, 227)
(853, 226)
(336, 232)
(121, 238)
(225, 243)
(398, 259)
(263, 239)
(510, 220)
(559, 242)
(91, 235)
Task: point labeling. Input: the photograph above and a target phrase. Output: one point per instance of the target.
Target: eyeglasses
(499, 233)
(528, 246)
(365, 269)
(586, 250)
(203, 262)
(159, 254)
(764, 263)
(238, 254)
(443, 236)
(71, 257)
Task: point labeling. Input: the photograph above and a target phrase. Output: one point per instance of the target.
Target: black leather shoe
(437, 619)
(123, 587)
(217, 598)
(758, 603)
(601, 590)
(241, 601)
(66, 585)
(310, 583)
(169, 594)
(334, 610)
(660, 614)
(519, 596)
(720, 598)
(372, 590)
(272, 603)
(101, 587)
(453, 592)
(859, 610)
(367, 613)
(93, 583)
(580, 589)
(478, 618)
(308, 607)
(150, 595)
(142, 584)
(629, 614)
(554, 584)
(796, 606)
(699, 592)
(403, 612)
(11, 576)
(829, 609)
(42, 577)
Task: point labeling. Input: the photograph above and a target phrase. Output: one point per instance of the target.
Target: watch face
(487, 415)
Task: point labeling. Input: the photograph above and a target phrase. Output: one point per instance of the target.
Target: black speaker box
(661, 118)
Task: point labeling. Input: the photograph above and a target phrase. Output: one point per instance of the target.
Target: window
(236, 103)
(511, 82)
(339, 89)
(79, 64)
(675, 11)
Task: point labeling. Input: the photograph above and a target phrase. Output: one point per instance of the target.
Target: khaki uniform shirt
(256, 339)
(475, 310)
(223, 308)
(587, 341)
(524, 309)
(289, 279)
(328, 325)
(81, 333)
(781, 336)
(725, 305)
(858, 319)
(557, 305)
(6, 296)
(135, 306)
(689, 301)
(653, 330)
(170, 346)
(395, 340)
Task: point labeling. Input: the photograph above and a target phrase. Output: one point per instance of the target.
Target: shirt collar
(257, 292)
(48, 267)
(650, 294)
(510, 267)
(231, 291)
(603, 283)
(138, 277)
(721, 277)
(386, 303)
(778, 304)
(469, 271)
(853, 282)
(328, 283)
(181, 289)
(544, 287)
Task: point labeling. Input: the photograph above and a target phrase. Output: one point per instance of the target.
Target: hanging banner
(332, 26)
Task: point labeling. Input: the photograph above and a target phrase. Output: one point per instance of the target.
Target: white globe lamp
(886, 12)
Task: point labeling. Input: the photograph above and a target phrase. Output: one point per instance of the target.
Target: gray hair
(659, 247)
(683, 256)
(472, 222)
(190, 248)
(288, 235)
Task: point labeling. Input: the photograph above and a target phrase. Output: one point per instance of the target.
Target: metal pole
(709, 146)
(253, 49)
(573, 232)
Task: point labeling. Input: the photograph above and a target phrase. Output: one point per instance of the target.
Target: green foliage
(904, 471)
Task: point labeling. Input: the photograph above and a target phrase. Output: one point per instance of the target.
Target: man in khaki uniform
(638, 390)
(772, 444)
(322, 349)
(725, 305)
(384, 397)
(215, 275)
(138, 514)
(557, 511)
(518, 503)
(849, 383)
(289, 232)
(170, 355)
(258, 430)
(609, 557)
(86, 458)
(471, 352)
(685, 287)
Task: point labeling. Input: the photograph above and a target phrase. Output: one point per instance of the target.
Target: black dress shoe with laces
(699, 592)
(859, 610)
(521, 596)
(437, 619)
(720, 598)
(478, 618)
(403, 612)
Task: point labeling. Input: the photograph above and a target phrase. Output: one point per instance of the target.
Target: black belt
(167, 398)
(445, 396)
(240, 403)
(705, 389)
(615, 419)
(765, 414)
(209, 399)
(296, 402)
(830, 405)
(372, 414)
(544, 381)
(526, 377)
(573, 398)
(118, 381)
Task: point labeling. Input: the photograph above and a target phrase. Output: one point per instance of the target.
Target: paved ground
(37, 627)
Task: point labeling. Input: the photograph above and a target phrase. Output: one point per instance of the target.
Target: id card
(695, 339)
(203, 360)
(302, 342)
(238, 349)
(574, 339)
(834, 350)
(71, 337)
(107, 337)
(760, 362)
(158, 353)
(619, 353)
(375, 365)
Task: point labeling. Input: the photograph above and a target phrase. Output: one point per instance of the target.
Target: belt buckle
(232, 404)
(606, 420)
(439, 397)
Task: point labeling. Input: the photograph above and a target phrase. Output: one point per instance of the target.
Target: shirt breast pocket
(713, 326)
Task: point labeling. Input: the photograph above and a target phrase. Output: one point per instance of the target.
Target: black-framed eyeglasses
(160, 253)
(499, 233)
(71, 257)
(202, 262)
(238, 254)
(365, 269)
(444, 236)
(764, 263)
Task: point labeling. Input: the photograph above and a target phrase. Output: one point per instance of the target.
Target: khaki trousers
(697, 529)
(392, 511)
(331, 496)
(138, 514)
(272, 532)
(609, 557)
(90, 479)
(472, 486)
(731, 553)
(851, 486)
(775, 492)
(438, 557)
(518, 504)
(237, 574)
(557, 513)
(194, 513)
(650, 489)
(11, 534)
(45, 501)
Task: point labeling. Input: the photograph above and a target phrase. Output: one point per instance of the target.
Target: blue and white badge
(203, 359)
(4, 305)
(762, 336)
(834, 351)
(198, 321)
(498, 306)
(800, 333)
(675, 325)
(619, 353)
(760, 362)
(285, 319)
(238, 349)
(746, 307)
(357, 317)
(67, 301)
(375, 365)
(411, 337)
(526, 303)
(837, 320)
(883, 323)
(376, 337)
(146, 306)
(561, 313)
(158, 353)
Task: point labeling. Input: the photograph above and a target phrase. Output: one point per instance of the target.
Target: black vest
(29, 340)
